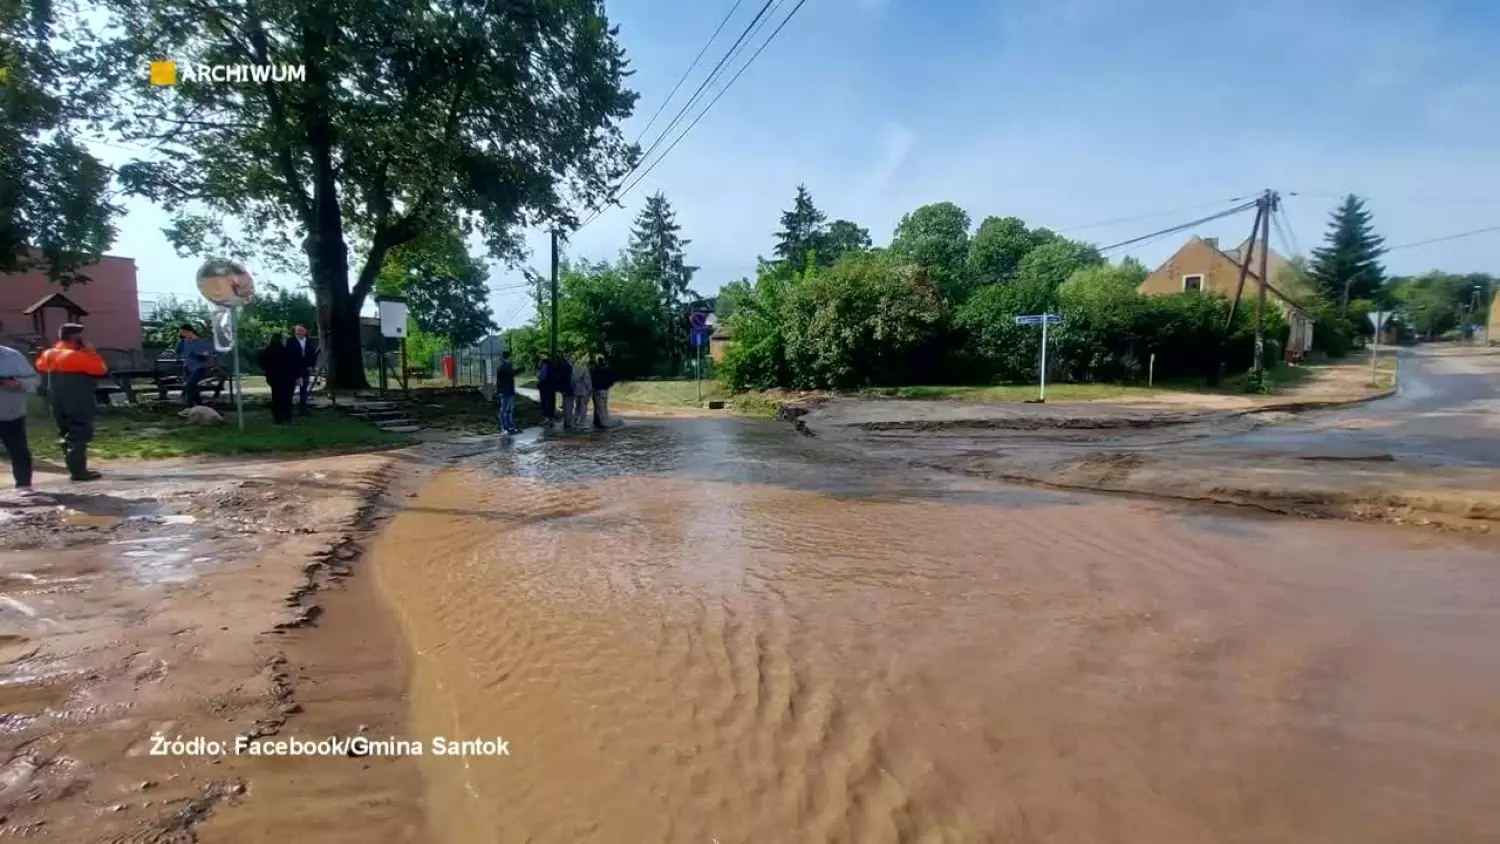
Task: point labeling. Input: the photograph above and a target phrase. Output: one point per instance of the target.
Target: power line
(1198, 222)
(1153, 214)
(1445, 238)
(689, 71)
(713, 76)
(711, 103)
(1281, 234)
(1291, 230)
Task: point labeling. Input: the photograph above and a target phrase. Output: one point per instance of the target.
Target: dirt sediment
(1146, 451)
(166, 603)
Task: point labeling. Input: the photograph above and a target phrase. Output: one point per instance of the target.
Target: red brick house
(107, 304)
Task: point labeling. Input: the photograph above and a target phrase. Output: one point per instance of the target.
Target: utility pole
(1234, 305)
(1268, 204)
(552, 344)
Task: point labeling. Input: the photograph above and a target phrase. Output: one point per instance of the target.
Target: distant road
(1446, 412)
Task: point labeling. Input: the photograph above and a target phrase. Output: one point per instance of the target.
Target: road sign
(225, 283)
(1043, 320)
(223, 325)
(1038, 319)
(711, 321)
(699, 338)
(699, 321)
(1378, 320)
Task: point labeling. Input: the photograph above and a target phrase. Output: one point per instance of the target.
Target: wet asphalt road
(1446, 412)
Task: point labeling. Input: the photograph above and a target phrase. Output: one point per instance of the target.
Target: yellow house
(1200, 266)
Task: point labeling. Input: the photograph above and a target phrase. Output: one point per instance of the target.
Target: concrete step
(363, 406)
(401, 429)
(387, 424)
(375, 415)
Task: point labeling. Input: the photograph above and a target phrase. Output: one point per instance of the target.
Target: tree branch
(284, 159)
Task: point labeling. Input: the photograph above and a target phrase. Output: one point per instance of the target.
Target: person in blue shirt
(195, 354)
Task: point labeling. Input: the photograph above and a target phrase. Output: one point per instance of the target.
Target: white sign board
(1379, 318)
(392, 319)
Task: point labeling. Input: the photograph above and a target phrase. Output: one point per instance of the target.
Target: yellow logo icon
(164, 73)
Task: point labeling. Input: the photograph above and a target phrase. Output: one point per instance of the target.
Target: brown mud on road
(178, 601)
(708, 631)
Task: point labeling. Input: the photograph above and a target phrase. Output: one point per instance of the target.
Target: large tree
(801, 232)
(656, 255)
(56, 211)
(657, 251)
(841, 238)
(996, 250)
(1347, 266)
(405, 113)
(936, 238)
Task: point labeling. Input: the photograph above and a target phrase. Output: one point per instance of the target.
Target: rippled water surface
(710, 630)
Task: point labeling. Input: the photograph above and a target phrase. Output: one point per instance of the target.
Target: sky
(1066, 113)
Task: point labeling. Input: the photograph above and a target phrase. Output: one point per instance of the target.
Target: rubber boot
(77, 460)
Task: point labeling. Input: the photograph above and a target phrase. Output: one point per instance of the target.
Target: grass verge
(686, 395)
(155, 432)
(467, 410)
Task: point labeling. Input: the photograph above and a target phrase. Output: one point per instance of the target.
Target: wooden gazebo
(53, 301)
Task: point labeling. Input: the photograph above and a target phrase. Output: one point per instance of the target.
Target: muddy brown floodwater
(711, 631)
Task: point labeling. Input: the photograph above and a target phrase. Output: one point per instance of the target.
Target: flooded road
(712, 631)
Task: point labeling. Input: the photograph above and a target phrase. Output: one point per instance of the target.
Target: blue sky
(1062, 112)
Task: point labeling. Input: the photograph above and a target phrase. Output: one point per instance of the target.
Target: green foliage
(56, 210)
(863, 322)
(936, 238)
(656, 257)
(409, 114)
(159, 331)
(841, 238)
(1055, 261)
(996, 250)
(801, 231)
(527, 346)
(757, 359)
(656, 251)
(607, 309)
(444, 287)
(1435, 302)
(1347, 266)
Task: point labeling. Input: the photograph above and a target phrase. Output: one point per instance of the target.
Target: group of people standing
(289, 364)
(70, 371)
(574, 382)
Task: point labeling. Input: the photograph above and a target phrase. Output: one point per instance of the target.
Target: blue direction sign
(700, 337)
(1038, 319)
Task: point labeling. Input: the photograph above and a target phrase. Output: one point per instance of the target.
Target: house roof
(1234, 258)
(56, 300)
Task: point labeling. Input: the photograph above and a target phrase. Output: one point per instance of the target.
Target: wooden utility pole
(552, 344)
(1268, 204)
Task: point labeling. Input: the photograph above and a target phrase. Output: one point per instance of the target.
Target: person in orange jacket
(71, 371)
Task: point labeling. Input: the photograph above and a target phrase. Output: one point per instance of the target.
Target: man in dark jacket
(545, 389)
(505, 394)
(304, 356)
(72, 370)
(603, 377)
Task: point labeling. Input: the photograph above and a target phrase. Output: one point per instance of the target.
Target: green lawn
(154, 432)
(684, 393)
(467, 410)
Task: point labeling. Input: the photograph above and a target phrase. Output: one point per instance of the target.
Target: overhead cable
(1174, 229)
